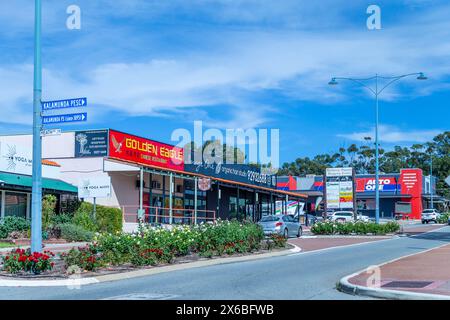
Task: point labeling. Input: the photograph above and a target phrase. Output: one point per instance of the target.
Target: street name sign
(65, 118)
(50, 132)
(61, 104)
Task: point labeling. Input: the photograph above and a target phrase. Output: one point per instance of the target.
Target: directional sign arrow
(61, 104)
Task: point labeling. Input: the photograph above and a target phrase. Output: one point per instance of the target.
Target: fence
(162, 215)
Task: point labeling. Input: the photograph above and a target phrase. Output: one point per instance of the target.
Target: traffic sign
(65, 118)
(50, 132)
(61, 104)
(448, 180)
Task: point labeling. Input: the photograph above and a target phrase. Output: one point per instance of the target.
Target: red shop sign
(144, 151)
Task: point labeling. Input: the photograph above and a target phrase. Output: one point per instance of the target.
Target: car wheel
(286, 234)
(300, 232)
(423, 222)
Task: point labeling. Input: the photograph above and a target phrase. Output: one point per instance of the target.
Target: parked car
(285, 225)
(430, 215)
(341, 216)
(347, 216)
(448, 220)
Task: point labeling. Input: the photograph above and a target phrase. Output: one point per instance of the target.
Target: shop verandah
(172, 197)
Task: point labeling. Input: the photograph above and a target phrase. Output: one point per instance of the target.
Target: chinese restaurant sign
(143, 151)
(234, 172)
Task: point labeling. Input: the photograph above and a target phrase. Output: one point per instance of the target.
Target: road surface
(310, 275)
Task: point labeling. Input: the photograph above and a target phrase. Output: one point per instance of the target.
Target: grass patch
(6, 245)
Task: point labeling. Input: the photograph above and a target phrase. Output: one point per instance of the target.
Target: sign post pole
(36, 203)
(94, 213)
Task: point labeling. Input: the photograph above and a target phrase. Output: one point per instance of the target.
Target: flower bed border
(128, 268)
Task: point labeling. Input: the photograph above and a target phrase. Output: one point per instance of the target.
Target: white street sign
(448, 180)
(94, 187)
(51, 132)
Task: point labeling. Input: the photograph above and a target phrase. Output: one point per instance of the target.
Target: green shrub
(107, 219)
(73, 232)
(48, 209)
(443, 218)
(12, 223)
(83, 217)
(61, 219)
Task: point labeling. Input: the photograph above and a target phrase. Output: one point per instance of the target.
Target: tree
(362, 158)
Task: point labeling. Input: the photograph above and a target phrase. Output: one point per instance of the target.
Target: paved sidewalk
(423, 273)
(54, 247)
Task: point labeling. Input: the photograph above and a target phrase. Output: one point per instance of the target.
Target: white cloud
(390, 134)
(242, 64)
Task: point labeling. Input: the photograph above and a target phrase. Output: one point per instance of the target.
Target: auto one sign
(94, 187)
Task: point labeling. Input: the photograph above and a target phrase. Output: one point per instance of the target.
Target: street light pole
(431, 179)
(36, 198)
(376, 93)
(377, 154)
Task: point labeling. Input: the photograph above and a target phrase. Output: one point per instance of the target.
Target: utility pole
(36, 200)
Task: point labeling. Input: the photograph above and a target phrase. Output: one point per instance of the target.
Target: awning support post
(141, 194)
(195, 199)
(170, 198)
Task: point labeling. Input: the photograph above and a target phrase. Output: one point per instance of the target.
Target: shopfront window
(16, 204)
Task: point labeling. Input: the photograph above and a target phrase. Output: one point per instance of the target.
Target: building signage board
(94, 187)
(92, 143)
(15, 159)
(339, 186)
(143, 151)
(234, 172)
(385, 184)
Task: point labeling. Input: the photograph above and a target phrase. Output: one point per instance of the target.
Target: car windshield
(269, 218)
(428, 211)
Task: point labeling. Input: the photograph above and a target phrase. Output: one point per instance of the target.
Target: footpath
(421, 276)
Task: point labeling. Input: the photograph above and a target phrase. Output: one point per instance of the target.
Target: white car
(346, 216)
(341, 216)
(430, 215)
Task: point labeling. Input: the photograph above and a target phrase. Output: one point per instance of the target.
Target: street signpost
(61, 104)
(65, 118)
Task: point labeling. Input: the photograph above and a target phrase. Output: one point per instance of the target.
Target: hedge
(358, 227)
(107, 219)
(73, 232)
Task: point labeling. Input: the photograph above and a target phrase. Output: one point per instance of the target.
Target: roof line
(293, 194)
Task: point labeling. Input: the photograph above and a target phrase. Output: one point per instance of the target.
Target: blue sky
(149, 67)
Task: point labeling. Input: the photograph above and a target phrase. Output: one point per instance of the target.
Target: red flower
(7, 258)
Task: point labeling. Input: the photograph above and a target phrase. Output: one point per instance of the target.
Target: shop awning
(24, 181)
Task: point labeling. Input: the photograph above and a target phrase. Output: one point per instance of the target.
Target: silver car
(285, 225)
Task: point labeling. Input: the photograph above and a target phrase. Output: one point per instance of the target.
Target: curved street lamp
(376, 93)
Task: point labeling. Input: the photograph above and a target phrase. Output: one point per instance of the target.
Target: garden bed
(150, 247)
(59, 270)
